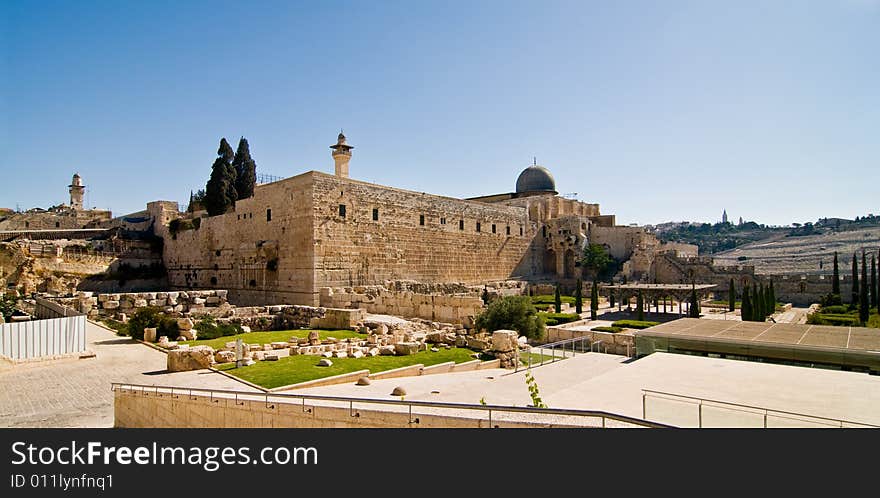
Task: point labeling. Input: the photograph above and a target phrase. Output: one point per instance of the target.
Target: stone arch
(569, 264)
(550, 261)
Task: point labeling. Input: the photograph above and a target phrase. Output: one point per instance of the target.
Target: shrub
(557, 318)
(607, 329)
(634, 324)
(832, 319)
(551, 299)
(515, 313)
(120, 328)
(143, 318)
(834, 310)
(208, 328)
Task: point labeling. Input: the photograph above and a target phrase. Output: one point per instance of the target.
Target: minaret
(76, 192)
(724, 217)
(341, 155)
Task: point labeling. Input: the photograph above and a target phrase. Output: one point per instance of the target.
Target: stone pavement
(76, 392)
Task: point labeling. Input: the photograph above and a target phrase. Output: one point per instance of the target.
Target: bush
(514, 313)
(550, 299)
(834, 310)
(143, 318)
(120, 328)
(607, 329)
(557, 318)
(833, 319)
(208, 328)
(634, 324)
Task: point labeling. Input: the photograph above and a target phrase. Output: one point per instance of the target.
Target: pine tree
(864, 308)
(217, 191)
(245, 170)
(579, 298)
(594, 301)
(640, 304)
(557, 300)
(855, 282)
(873, 281)
(835, 279)
(731, 297)
(746, 307)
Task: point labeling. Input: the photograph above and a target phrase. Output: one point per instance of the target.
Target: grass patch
(537, 357)
(272, 336)
(612, 329)
(634, 324)
(301, 368)
(550, 299)
(843, 316)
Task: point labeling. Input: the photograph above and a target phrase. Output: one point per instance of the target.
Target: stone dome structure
(535, 179)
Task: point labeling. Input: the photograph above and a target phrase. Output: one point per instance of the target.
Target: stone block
(340, 354)
(357, 354)
(212, 300)
(155, 302)
(185, 323)
(325, 363)
(189, 335)
(173, 295)
(222, 294)
(270, 357)
(161, 295)
(189, 359)
(279, 345)
(387, 350)
(224, 356)
(504, 340)
(111, 305)
(245, 329)
(150, 334)
(406, 348)
(140, 303)
(198, 300)
(479, 344)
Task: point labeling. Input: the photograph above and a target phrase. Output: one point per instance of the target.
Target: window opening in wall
(57, 224)
(217, 252)
(342, 210)
(478, 226)
(27, 224)
(461, 224)
(213, 280)
(508, 230)
(268, 215)
(544, 231)
(375, 214)
(520, 231)
(442, 221)
(421, 219)
(216, 267)
(239, 216)
(253, 283)
(493, 228)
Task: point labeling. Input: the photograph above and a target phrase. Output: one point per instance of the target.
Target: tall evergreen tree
(864, 307)
(835, 278)
(772, 300)
(694, 309)
(855, 281)
(873, 281)
(557, 299)
(245, 170)
(220, 186)
(594, 300)
(746, 307)
(756, 304)
(731, 297)
(579, 297)
(640, 305)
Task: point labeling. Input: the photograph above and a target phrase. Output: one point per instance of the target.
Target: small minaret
(341, 155)
(76, 192)
(724, 216)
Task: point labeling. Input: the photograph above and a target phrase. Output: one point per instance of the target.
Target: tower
(341, 155)
(724, 216)
(76, 192)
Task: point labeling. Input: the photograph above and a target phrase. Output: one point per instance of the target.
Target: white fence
(35, 338)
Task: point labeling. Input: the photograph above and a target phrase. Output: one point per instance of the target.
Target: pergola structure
(657, 292)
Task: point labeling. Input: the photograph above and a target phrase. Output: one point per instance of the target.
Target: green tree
(854, 300)
(557, 299)
(864, 307)
(7, 305)
(731, 297)
(756, 304)
(640, 305)
(245, 170)
(694, 309)
(611, 298)
(220, 189)
(594, 300)
(835, 278)
(760, 304)
(596, 260)
(874, 299)
(512, 313)
(746, 307)
(579, 297)
(772, 300)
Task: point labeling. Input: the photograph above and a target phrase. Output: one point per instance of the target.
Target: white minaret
(724, 216)
(76, 192)
(341, 155)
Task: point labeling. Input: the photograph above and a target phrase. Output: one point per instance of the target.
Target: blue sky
(656, 110)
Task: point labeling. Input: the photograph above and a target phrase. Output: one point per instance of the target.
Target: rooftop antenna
(534, 161)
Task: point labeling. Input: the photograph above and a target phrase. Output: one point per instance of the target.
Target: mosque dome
(535, 179)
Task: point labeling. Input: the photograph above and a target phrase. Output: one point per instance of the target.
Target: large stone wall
(458, 309)
(53, 220)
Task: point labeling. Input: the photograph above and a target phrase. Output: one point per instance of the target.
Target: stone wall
(129, 303)
(53, 220)
(620, 343)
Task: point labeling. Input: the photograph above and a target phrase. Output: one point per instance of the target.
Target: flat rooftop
(846, 346)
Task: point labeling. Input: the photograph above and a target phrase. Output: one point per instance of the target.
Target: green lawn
(273, 336)
(850, 318)
(300, 368)
(537, 357)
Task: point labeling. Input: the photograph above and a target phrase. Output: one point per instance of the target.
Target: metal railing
(270, 399)
(764, 412)
(555, 351)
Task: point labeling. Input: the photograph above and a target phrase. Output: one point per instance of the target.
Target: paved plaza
(76, 392)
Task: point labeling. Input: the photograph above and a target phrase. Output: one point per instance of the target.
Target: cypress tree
(694, 310)
(594, 300)
(762, 303)
(579, 298)
(864, 308)
(835, 279)
(746, 307)
(772, 299)
(217, 191)
(756, 304)
(768, 304)
(854, 299)
(245, 170)
(557, 300)
(873, 281)
(731, 297)
(640, 304)
(611, 298)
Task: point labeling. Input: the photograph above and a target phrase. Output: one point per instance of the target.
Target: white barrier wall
(35, 338)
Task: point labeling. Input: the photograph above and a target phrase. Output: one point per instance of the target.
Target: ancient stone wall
(175, 301)
(51, 220)
(459, 309)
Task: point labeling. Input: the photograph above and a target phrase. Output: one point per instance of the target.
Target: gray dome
(535, 179)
